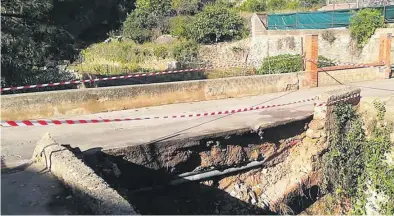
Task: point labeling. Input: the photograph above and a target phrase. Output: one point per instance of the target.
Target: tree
(214, 24)
(31, 44)
(254, 5)
(364, 23)
(186, 7)
(277, 4)
(148, 16)
(179, 25)
(38, 34)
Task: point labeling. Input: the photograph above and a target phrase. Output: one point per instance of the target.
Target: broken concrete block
(313, 133)
(316, 124)
(309, 141)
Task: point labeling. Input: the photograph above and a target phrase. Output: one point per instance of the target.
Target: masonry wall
(94, 100)
(342, 49)
(276, 42)
(226, 53)
(327, 78)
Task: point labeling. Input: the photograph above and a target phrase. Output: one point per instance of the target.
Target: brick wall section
(385, 52)
(311, 55)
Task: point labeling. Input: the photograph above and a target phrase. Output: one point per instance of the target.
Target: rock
(316, 124)
(173, 65)
(313, 134)
(233, 193)
(252, 197)
(165, 39)
(301, 136)
(309, 141)
(237, 187)
(320, 112)
(208, 183)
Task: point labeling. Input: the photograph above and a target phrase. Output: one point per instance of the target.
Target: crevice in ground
(252, 191)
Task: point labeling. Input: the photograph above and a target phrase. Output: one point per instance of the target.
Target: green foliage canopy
(364, 23)
(214, 24)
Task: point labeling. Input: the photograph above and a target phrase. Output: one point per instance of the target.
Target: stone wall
(342, 49)
(276, 42)
(336, 77)
(226, 53)
(323, 116)
(94, 100)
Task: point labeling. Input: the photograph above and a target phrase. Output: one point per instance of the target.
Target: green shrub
(185, 51)
(160, 52)
(329, 36)
(288, 63)
(292, 5)
(277, 4)
(364, 23)
(135, 28)
(355, 163)
(215, 24)
(254, 5)
(285, 63)
(324, 62)
(186, 7)
(149, 17)
(179, 25)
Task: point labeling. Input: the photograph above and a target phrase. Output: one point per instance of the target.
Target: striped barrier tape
(336, 101)
(181, 116)
(137, 75)
(102, 79)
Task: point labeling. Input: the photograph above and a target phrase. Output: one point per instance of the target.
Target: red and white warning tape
(336, 101)
(137, 75)
(101, 79)
(179, 116)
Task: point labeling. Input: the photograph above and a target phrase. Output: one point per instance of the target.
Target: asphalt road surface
(18, 142)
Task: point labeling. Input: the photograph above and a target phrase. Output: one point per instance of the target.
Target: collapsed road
(17, 149)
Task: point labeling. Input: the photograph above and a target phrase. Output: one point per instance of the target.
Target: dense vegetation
(38, 34)
(364, 23)
(188, 19)
(279, 5)
(356, 163)
(127, 56)
(287, 63)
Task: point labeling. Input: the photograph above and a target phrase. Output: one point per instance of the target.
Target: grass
(230, 72)
(123, 57)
